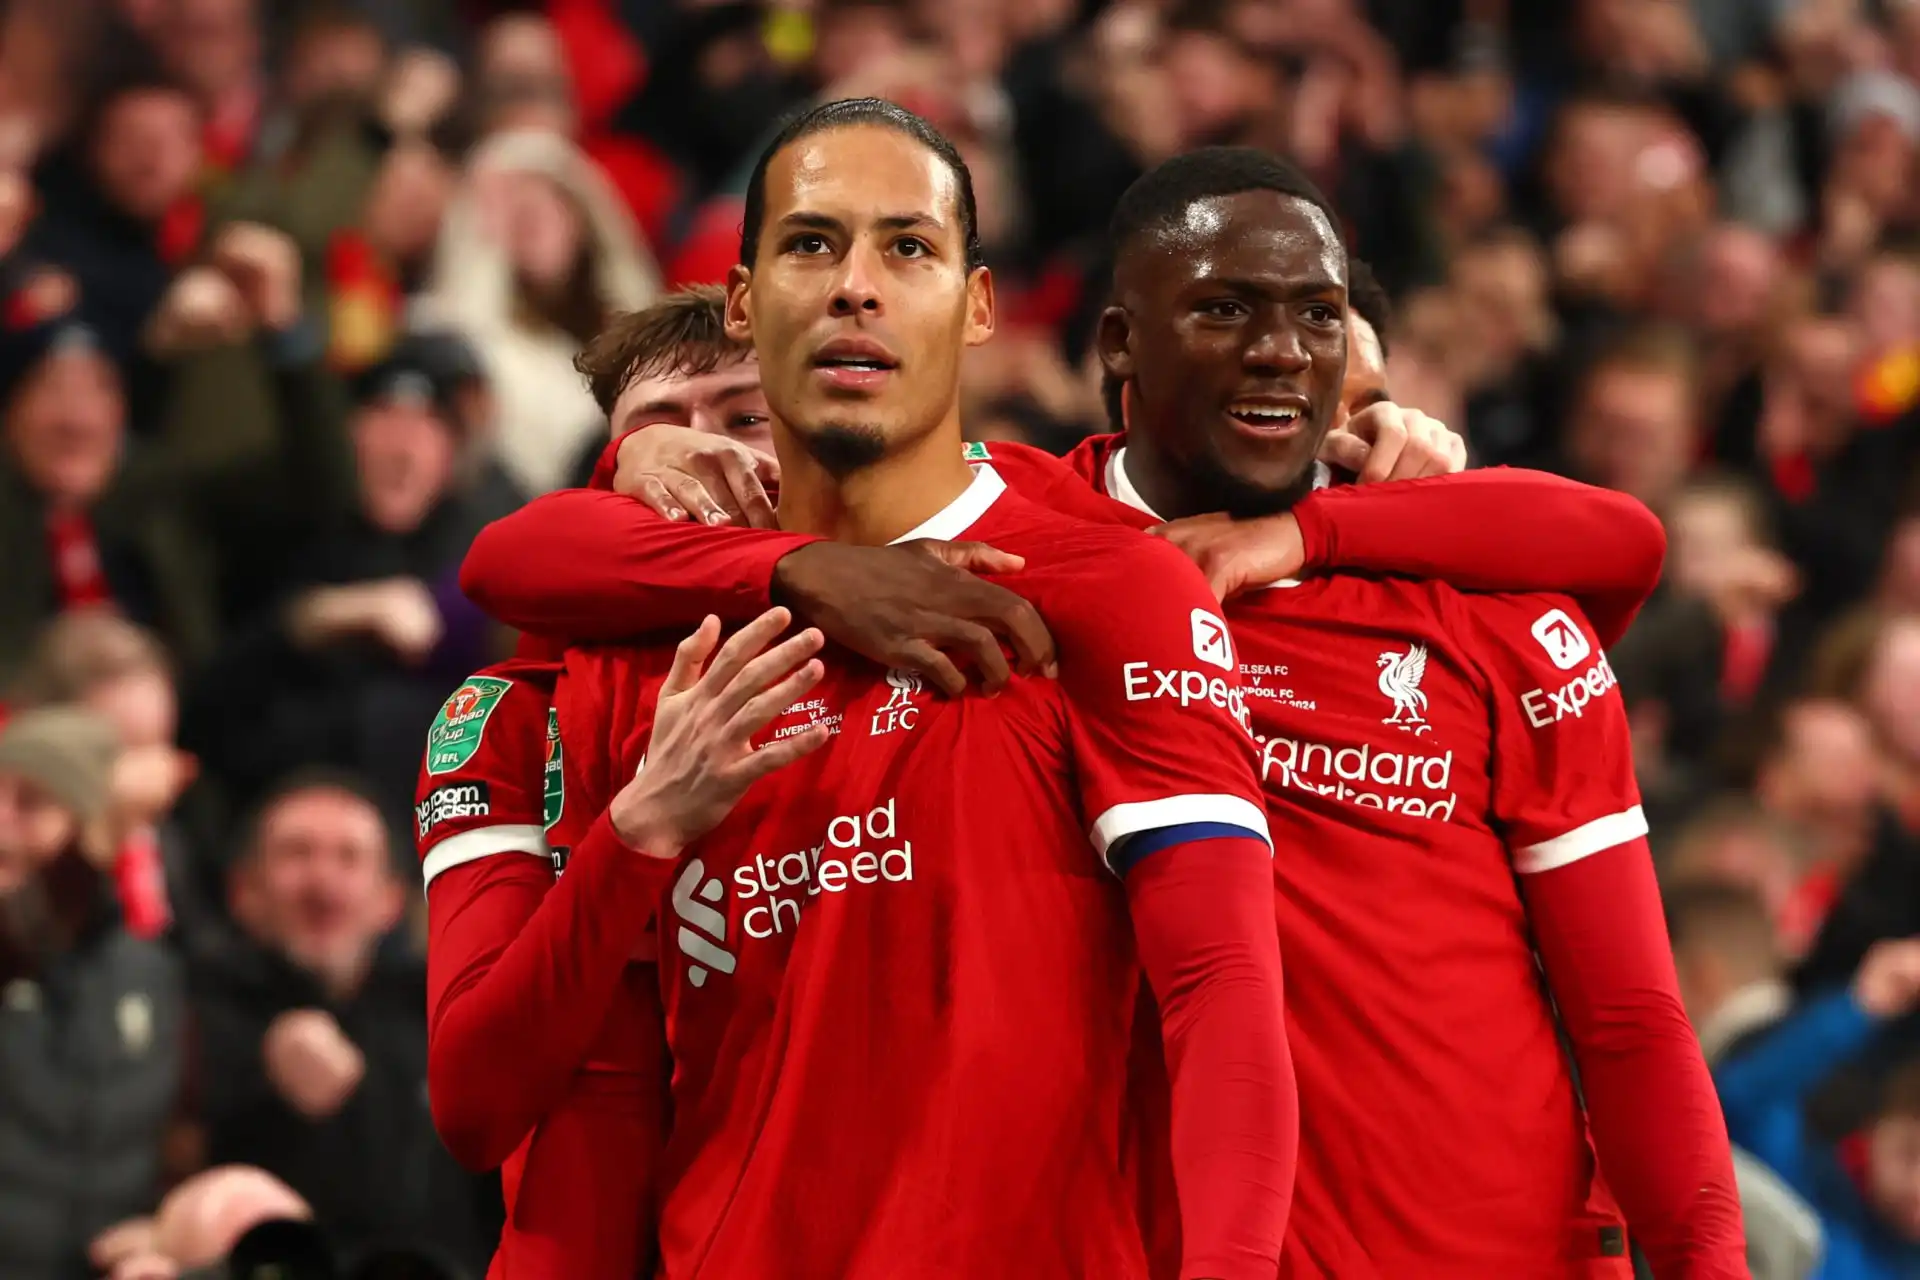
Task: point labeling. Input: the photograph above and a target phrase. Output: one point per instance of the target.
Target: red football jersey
(491, 795)
(1419, 748)
(900, 983)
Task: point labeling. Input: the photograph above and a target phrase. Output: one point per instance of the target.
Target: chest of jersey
(1366, 709)
(922, 841)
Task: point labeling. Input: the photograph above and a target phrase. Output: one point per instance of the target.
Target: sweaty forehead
(859, 172)
(1251, 235)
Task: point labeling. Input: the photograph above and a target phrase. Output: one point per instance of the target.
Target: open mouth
(866, 364)
(1266, 417)
(855, 364)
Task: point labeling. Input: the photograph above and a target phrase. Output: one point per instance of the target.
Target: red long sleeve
(1499, 529)
(589, 565)
(521, 981)
(1656, 1121)
(1203, 915)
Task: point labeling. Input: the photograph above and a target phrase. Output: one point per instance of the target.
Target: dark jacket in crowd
(91, 1044)
(373, 1172)
(266, 706)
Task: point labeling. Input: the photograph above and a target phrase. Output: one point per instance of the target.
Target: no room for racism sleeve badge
(462, 722)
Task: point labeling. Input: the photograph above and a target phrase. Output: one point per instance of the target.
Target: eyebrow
(1310, 287)
(745, 387)
(889, 222)
(1376, 396)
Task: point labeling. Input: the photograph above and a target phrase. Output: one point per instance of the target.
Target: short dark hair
(1720, 915)
(1367, 299)
(1161, 196)
(305, 778)
(846, 113)
(685, 332)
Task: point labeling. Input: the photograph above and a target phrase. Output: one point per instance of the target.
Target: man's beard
(1218, 489)
(842, 448)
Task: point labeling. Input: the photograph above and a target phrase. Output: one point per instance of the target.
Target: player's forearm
(1499, 529)
(1655, 1118)
(504, 1043)
(589, 565)
(1203, 915)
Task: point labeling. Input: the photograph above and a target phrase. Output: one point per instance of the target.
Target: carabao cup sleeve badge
(462, 722)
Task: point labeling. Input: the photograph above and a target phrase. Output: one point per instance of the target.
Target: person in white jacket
(536, 253)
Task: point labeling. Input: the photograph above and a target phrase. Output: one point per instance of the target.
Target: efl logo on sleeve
(1561, 638)
(1210, 642)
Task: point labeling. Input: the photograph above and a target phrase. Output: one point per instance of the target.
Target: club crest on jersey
(1400, 676)
(1563, 640)
(899, 710)
(462, 722)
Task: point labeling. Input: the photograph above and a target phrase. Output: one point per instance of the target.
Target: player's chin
(1275, 463)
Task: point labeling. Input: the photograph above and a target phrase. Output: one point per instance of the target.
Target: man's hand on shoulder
(1239, 555)
(1385, 441)
(912, 604)
(685, 474)
(700, 758)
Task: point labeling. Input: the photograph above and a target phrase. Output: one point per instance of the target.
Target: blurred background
(289, 295)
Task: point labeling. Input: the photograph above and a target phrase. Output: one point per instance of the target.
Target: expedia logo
(1546, 707)
(450, 803)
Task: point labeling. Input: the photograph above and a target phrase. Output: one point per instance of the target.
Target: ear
(1112, 338)
(980, 306)
(393, 903)
(739, 285)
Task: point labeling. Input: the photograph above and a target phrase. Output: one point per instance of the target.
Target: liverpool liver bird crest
(1400, 675)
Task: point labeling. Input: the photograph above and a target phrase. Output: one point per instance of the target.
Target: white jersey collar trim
(963, 512)
(1120, 489)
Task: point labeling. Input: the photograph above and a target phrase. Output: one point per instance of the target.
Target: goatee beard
(843, 448)
(1219, 489)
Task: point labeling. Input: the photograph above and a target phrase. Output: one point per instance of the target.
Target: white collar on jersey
(1120, 489)
(964, 511)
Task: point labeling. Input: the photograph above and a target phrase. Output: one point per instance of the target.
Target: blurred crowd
(290, 295)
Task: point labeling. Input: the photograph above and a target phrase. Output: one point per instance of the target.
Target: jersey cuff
(483, 842)
(1128, 853)
(1582, 842)
(1125, 820)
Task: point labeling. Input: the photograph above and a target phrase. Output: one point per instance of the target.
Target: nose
(857, 291)
(1277, 347)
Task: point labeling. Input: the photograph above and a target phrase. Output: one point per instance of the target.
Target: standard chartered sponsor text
(859, 849)
(1404, 782)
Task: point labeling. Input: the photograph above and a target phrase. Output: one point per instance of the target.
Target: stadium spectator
(313, 1033)
(536, 255)
(79, 531)
(1867, 1186)
(121, 212)
(1730, 971)
(372, 630)
(119, 671)
(94, 1020)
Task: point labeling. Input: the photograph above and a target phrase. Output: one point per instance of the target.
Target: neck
(875, 504)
